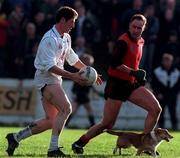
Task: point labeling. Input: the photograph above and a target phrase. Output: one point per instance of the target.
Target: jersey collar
(56, 32)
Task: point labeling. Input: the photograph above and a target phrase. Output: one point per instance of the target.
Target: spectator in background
(150, 36)
(81, 94)
(136, 8)
(166, 85)
(168, 22)
(17, 22)
(27, 39)
(4, 24)
(9, 5)
(84, 26)
(80, 46)
(23, 46)
(80, 49)
(67, 3)
(173, 46)
(40, 22)
(163, 5)
(38, 5)
(49, 9)
(28, 65)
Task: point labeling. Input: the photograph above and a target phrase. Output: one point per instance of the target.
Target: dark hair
(138, 17)
(65, 12)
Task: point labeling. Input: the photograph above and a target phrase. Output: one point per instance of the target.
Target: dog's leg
(120, 152)
(153, 153)
(157, 153)
(139, 152)
(115, 150)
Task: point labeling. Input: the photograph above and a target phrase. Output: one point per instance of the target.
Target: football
(90, 74)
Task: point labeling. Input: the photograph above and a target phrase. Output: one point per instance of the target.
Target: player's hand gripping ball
(90, 74)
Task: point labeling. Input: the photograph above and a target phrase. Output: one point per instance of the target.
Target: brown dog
(146, 143)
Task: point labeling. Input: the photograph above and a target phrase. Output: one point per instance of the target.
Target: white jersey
(53, 50)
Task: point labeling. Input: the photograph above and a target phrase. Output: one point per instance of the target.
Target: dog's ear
(158, 130)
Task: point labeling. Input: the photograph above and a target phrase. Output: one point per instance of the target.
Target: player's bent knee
(156, 110)
(107, 125)
(159, 110)
(67, 110)
(110, 126)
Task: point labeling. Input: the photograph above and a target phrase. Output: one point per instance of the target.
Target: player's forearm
(61, 72)
(79, 64)
(124, 68)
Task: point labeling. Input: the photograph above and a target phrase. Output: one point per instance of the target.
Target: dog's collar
(153, 135)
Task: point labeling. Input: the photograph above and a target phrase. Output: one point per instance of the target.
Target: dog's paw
(157, 153)
(149, 153)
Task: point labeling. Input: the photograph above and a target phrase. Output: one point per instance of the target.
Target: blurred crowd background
(100, 22)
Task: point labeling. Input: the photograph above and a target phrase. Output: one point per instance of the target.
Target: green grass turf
(100, 147)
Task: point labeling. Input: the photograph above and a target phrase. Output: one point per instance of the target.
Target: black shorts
(82, 98)
(81, 93)
(119, 89)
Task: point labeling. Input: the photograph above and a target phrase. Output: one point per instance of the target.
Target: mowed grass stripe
(101, 146)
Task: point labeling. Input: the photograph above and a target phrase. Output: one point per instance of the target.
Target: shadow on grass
(100, 156)
(67, 156)
(24, 155)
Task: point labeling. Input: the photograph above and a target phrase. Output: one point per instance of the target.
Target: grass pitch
(100, 147)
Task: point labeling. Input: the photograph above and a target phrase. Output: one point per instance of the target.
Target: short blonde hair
(139, 17)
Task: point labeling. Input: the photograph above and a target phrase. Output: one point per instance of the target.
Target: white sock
(25, 133)
(54, 143)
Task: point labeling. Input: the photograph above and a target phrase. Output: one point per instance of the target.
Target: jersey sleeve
(46, 58)
(119, 51)
(72, 57)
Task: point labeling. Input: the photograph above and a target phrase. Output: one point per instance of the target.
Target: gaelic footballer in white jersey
(53, 50)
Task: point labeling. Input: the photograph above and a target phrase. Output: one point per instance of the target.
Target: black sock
(82, 141)
(91, 119)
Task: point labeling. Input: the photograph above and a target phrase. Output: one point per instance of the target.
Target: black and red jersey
(128, 52)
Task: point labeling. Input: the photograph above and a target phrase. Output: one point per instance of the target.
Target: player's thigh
(56, 96)
(111, 110)
(144, 98)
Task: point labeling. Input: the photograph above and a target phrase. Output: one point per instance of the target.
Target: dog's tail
(113, 132)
